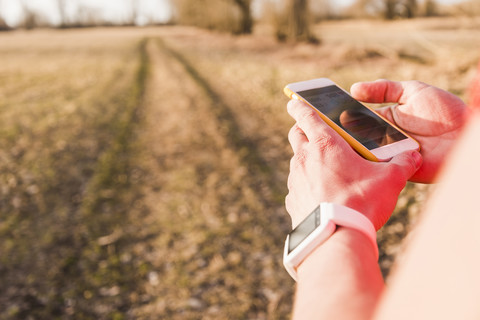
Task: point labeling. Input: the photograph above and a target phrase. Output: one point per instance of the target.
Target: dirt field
(143, 171)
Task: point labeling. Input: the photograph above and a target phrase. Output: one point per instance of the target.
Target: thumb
(377, 91)
(407, 163)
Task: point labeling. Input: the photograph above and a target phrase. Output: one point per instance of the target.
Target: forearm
(341, 279)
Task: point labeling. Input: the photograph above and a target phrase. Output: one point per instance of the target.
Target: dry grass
(143, 171)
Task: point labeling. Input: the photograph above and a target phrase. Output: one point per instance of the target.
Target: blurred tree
(31, 18)
(134, 13)
(298, 24)
(400, 9)
(410, 8)
(323, 9)
(292, 19)
(62, 13)
(246, 20)
(389, 9)
(431, 8)
(3, 24)
(87, 16)
(468, 8)
(364, 8)
(233, 16)
(299, 21)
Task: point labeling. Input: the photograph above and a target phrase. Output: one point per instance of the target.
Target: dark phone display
(306, 227)
(353, 117)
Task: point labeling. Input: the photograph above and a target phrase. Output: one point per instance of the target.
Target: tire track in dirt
(217, 253)
(107, 230)
(228, 126)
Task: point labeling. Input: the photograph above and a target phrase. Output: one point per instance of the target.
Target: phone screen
(353, 117)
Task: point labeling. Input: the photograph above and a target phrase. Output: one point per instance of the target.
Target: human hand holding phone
(433, 117)
(368, 133)
(325, 168)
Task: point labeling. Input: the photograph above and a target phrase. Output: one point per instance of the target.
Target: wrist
(340, 279)
(359, 202)
(318, 227)
(343, 242)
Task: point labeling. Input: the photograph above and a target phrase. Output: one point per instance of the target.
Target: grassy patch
(65, 207)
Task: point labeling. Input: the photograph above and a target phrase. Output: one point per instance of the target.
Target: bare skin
(341, 279)
(433, 117)
(439, 276)
(325, 168)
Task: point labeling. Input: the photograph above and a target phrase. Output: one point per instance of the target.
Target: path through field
(215, 204)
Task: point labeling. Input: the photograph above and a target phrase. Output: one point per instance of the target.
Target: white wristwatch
(317, 227)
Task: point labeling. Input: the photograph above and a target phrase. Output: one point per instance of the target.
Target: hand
(325, 168)
(430, 115)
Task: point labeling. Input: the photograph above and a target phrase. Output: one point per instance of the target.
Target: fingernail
(354, 85)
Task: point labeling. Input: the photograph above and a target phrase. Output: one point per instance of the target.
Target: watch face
(305, 228)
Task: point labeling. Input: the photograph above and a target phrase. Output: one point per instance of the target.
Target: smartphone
(368, 133)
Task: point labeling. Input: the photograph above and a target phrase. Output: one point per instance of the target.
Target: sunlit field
(143, 170)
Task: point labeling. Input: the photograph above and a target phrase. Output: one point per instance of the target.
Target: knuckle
(288, 201)
(289, 204)
(290, 184)
(297, 109)
(397, 176)
(298, 160)
(394, 171)
(324, 142)
(418, 83)
(308, 116)
(291, 104)
(294, 131)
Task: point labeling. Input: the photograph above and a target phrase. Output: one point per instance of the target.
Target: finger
(404, 165)
(308, 120)
(297, 138)
(298, 109)
(321, 135)
(387, 112)
(378, 91)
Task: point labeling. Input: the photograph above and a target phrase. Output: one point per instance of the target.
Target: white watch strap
(332, 215)
(347, 217)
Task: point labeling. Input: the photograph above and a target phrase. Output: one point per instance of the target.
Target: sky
(110, 10)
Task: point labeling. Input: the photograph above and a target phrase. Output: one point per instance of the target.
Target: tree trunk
(298, 21)
(390, 9)
(246, 22)
(3, 23)
(411, 8)
(62, 13)
(430, 8)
